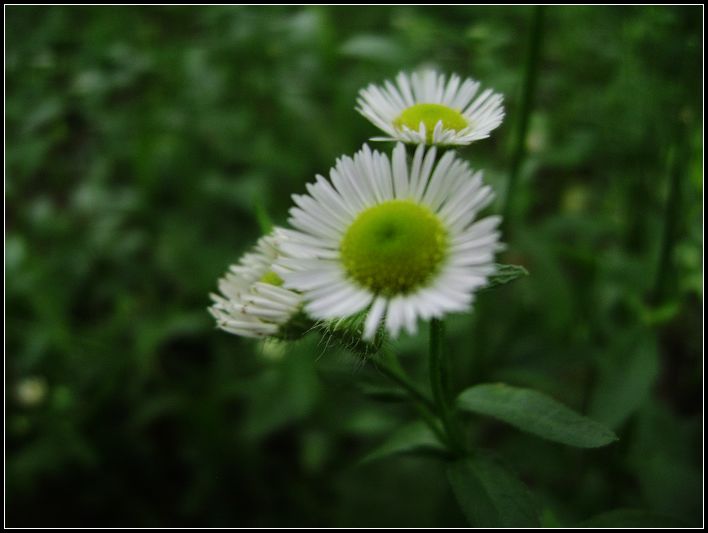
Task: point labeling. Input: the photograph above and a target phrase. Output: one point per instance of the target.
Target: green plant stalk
(677, 156)
(389, 366)
(262, 217)
(439, 385)
(527, 97)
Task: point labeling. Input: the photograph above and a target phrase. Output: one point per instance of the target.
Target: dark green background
(142, 142)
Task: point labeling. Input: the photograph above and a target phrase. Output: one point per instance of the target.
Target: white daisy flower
(424, 108)
(253, 302)
(399, 242)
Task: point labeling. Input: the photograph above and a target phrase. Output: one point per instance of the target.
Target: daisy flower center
(394, 247)
(430, 115)
(271, 278)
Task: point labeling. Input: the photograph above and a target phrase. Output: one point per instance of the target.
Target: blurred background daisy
(428, 107)
(252, 301)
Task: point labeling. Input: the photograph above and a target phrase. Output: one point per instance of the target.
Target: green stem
(677, 157)
(441, 388)
(389, 366)
(437, 376)
(262, 217)
(527, 97)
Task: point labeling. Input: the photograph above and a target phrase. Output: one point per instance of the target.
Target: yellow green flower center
(394, 247)
(271, 278)
(430, 115)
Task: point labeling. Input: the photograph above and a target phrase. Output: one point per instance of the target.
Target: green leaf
(490, 495)
(535, 413)
(632, 518)
(415, 438)
(625, 380)
(504, 274)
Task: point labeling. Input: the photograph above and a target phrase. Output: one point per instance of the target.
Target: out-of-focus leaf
(653, 315)
(535, 413)
(490, 495)
(631, 518)
(626, 380)
(382, 393)
(665, 450)
(373, 47)
(154, 408)
(414, 438)
(284, 396)
(505, 274)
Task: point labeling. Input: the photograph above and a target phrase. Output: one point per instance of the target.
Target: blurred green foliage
(144, 143)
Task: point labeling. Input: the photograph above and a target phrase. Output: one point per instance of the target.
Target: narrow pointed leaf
(535, 413)
(415, 438)
(490, 495)
(505, 274)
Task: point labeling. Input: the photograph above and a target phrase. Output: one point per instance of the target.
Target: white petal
(373, 319)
